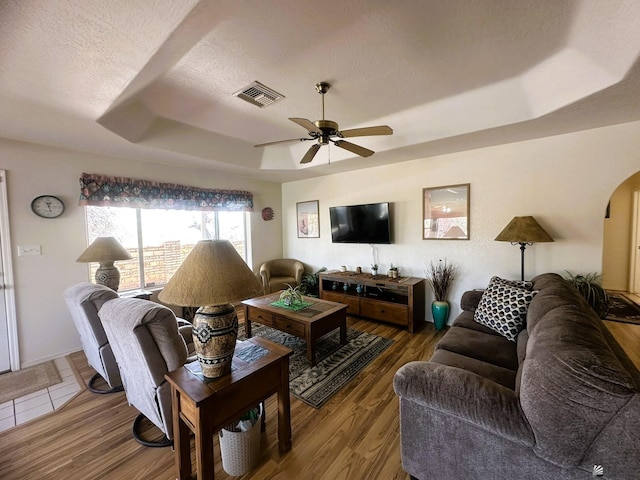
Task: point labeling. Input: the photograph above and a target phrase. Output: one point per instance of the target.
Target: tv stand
(394, 300)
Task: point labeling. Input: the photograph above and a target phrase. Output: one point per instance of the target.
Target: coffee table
(309, 324)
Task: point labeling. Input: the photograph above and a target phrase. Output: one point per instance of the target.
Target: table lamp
(523, 231)
(211, 277)
(105, 251)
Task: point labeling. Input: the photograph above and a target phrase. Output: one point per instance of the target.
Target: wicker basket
(241, 450)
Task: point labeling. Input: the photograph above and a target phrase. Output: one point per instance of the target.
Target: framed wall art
(308, 219)
(445, 212)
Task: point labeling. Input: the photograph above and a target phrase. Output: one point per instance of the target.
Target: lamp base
(215, 330)
(108, 275)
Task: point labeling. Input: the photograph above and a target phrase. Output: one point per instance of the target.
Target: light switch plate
(29, 250)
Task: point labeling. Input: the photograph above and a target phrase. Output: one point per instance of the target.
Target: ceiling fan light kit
(323, 132)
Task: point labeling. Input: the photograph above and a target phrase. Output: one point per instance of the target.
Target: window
(159, 240)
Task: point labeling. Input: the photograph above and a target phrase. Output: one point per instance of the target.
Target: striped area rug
(337, 364)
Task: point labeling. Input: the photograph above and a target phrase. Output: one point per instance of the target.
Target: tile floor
(23, 409)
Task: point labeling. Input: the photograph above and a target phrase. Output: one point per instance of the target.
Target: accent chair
(276, 274)
(147, 344)
(84, 301)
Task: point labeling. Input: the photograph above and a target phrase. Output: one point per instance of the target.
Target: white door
(5, 361)
(634, 282)
(9, 358)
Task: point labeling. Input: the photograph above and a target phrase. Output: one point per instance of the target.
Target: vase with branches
(440, 276)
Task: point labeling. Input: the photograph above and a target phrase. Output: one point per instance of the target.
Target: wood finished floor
(354, 436)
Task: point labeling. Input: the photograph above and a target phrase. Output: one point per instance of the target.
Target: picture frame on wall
(445, 212)
(308, 219)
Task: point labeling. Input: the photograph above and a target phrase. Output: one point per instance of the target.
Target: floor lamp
(523, 231)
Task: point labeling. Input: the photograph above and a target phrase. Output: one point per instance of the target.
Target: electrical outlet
(29, 250)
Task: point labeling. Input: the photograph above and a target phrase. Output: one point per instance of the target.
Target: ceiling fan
(325, 131)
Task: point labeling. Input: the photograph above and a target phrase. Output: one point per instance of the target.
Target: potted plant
(440, 277)
(393, 271)
(374, 269)
(591, 289)
(310, 284)
(291, 295)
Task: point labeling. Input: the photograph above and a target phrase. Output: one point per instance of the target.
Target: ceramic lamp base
(108, 275)
(215, 330)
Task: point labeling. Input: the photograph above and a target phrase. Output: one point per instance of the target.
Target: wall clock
(47, 206)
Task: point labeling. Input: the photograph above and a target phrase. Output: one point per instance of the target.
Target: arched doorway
(621, 243)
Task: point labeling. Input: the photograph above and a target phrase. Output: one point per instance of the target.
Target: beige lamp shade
(212, 274)
(523, 230)
(104, 249)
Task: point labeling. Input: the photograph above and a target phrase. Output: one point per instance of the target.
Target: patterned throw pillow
(514, 283)
(503, 308)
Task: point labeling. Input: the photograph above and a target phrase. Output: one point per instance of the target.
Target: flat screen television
(368, 223)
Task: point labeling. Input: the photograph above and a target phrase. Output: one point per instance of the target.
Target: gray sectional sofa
(562, 401)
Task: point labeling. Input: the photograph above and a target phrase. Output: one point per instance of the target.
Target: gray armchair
(84, 300)
(147, 344)
(276, 274)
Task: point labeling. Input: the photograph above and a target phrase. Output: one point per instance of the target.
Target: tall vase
(440, 312)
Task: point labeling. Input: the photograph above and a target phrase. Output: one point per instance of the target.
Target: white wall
(45, 328)
(565, 182)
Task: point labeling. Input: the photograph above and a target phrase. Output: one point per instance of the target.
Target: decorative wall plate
(267, 214)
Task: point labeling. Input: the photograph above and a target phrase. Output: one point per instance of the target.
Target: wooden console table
(205, 406)
(395, 300)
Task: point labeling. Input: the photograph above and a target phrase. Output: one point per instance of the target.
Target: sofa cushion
(494, 349)
(500, 375)
(465, 320)
(503, 308)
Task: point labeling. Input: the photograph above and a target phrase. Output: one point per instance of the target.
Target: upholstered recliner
(84, 300)
(276, 274)
(147, 344)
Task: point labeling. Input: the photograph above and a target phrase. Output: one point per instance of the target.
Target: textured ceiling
(154, 79)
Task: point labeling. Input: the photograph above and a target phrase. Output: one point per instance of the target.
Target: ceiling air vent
(259, 95)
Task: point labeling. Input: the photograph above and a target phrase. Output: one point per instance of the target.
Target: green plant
(291, 295)
(440, 277)
(310, 283)
(591, 289)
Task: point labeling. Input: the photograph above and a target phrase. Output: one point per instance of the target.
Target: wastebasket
(240, 443)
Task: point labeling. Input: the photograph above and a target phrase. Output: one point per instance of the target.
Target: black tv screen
(360, 223)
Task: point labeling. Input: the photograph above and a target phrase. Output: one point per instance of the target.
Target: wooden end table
(309, 324)
(205, 406)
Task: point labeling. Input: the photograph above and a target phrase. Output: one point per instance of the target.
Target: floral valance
(100, 190)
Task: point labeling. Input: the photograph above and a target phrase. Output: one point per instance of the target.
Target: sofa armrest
(466, 396)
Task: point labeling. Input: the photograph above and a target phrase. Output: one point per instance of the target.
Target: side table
(204, 406)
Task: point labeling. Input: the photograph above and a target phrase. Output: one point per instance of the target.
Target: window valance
(100, 190)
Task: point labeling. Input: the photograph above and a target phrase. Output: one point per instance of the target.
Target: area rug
(28, 380)
(621, 309)
(337, 364)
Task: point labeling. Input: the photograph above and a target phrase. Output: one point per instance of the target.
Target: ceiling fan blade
(366, 131)
(308, 124)
(282, 141)
(352, 147)
(310, 153)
